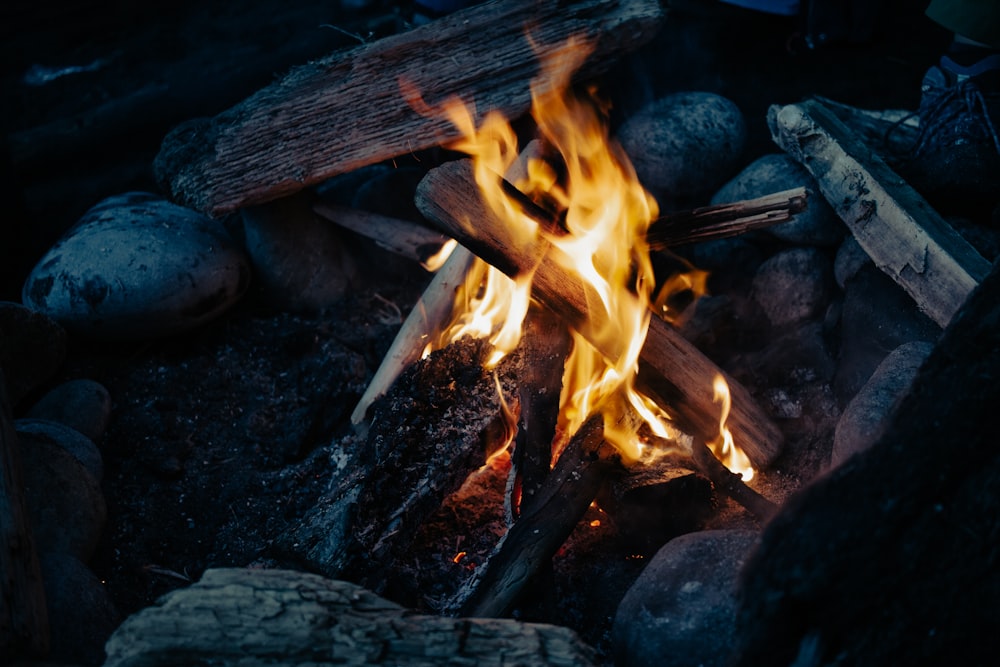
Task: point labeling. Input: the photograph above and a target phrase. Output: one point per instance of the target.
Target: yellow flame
(437, 260)
(605, 214)
(723, 447)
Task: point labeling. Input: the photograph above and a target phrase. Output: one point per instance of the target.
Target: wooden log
(24, 624)
(682, 375)
(902, 234)
(430, 312)
(544, 525)
(283, 618)
(406, 239)
(347, 110)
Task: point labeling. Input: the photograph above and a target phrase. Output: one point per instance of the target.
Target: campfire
(542, 404)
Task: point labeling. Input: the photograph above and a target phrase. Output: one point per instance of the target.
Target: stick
(543, 527)
(449, 197)
(346, 111)
(406, 239)
(902, 234)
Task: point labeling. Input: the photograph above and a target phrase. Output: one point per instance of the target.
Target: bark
(347, 110)
(902, 234)
(277, 617)
(404, 238)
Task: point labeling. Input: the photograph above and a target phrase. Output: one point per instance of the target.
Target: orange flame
(606, 214)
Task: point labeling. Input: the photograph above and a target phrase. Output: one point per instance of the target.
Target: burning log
(678, 372)
(904, 236)
(24, 624)
(544, 525)
(346, 111)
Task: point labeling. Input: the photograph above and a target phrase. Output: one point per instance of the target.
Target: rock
(731, 262)
(32, 431)
(793, 285)
(797, 355)
(34, 347)
(237, 617)
(681, 609)
(685, 144)
(867, 414)
(818, 225)
(136, 266)
(391, 194)
(64, 500)
(81, 613)
(300, 260)
(877, 316)
(849, 260)
(82, 404)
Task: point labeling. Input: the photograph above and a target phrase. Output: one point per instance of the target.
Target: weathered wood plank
(904, 236)
(347, 110)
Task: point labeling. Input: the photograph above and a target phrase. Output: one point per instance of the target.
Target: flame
(723, 447)
(605, 214)
(437, 260)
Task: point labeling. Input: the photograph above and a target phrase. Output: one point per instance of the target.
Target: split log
(678, 372)
(346, 111)
(278, 617)
(902, 234)
(406, 239)
(544, 525)
(24, 624)
(432, 309)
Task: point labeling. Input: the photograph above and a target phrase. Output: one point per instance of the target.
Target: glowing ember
(604, 214)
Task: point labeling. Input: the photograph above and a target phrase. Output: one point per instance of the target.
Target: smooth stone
(681, 610)
(391, 194)
(81, 404)
(81, 613)
(136, 266)
(864, 418)
(877, 316)
(796, 355)
(64, 500)
(817, 225)
(34, 347)
(731, 262)
(32, 431)
(793, 286)
(300, 260)
(685, 144)
(849, 260)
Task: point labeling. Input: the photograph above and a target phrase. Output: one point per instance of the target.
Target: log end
(179, 166)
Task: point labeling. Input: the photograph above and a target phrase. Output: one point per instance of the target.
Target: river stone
(33, 349)
(136, 266)
(81, 614)
(82, 404)
(866, 415)
(300, 260)
(817, 225)
(32, 431)
(680, 611)
(64, 500)
(685, 144)
(849, 260)
(793, 285)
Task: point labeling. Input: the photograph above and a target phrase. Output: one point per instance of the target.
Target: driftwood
(404, 238)
(545, 523)
(904, 236)
(682, 375)
(277, 617)
(347, 110)
(894, 557)
(24, 625)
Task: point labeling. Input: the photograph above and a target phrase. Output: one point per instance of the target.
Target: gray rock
(82, 404)
(34, 347)
(136, 266)
(64, 501)
(299, 259)
(793, 286)
(863, 419)
(32, 431)
(81, 614)
(817, 225)
(849, 260)
(877, 316)
(685, 144)
(682, 608)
